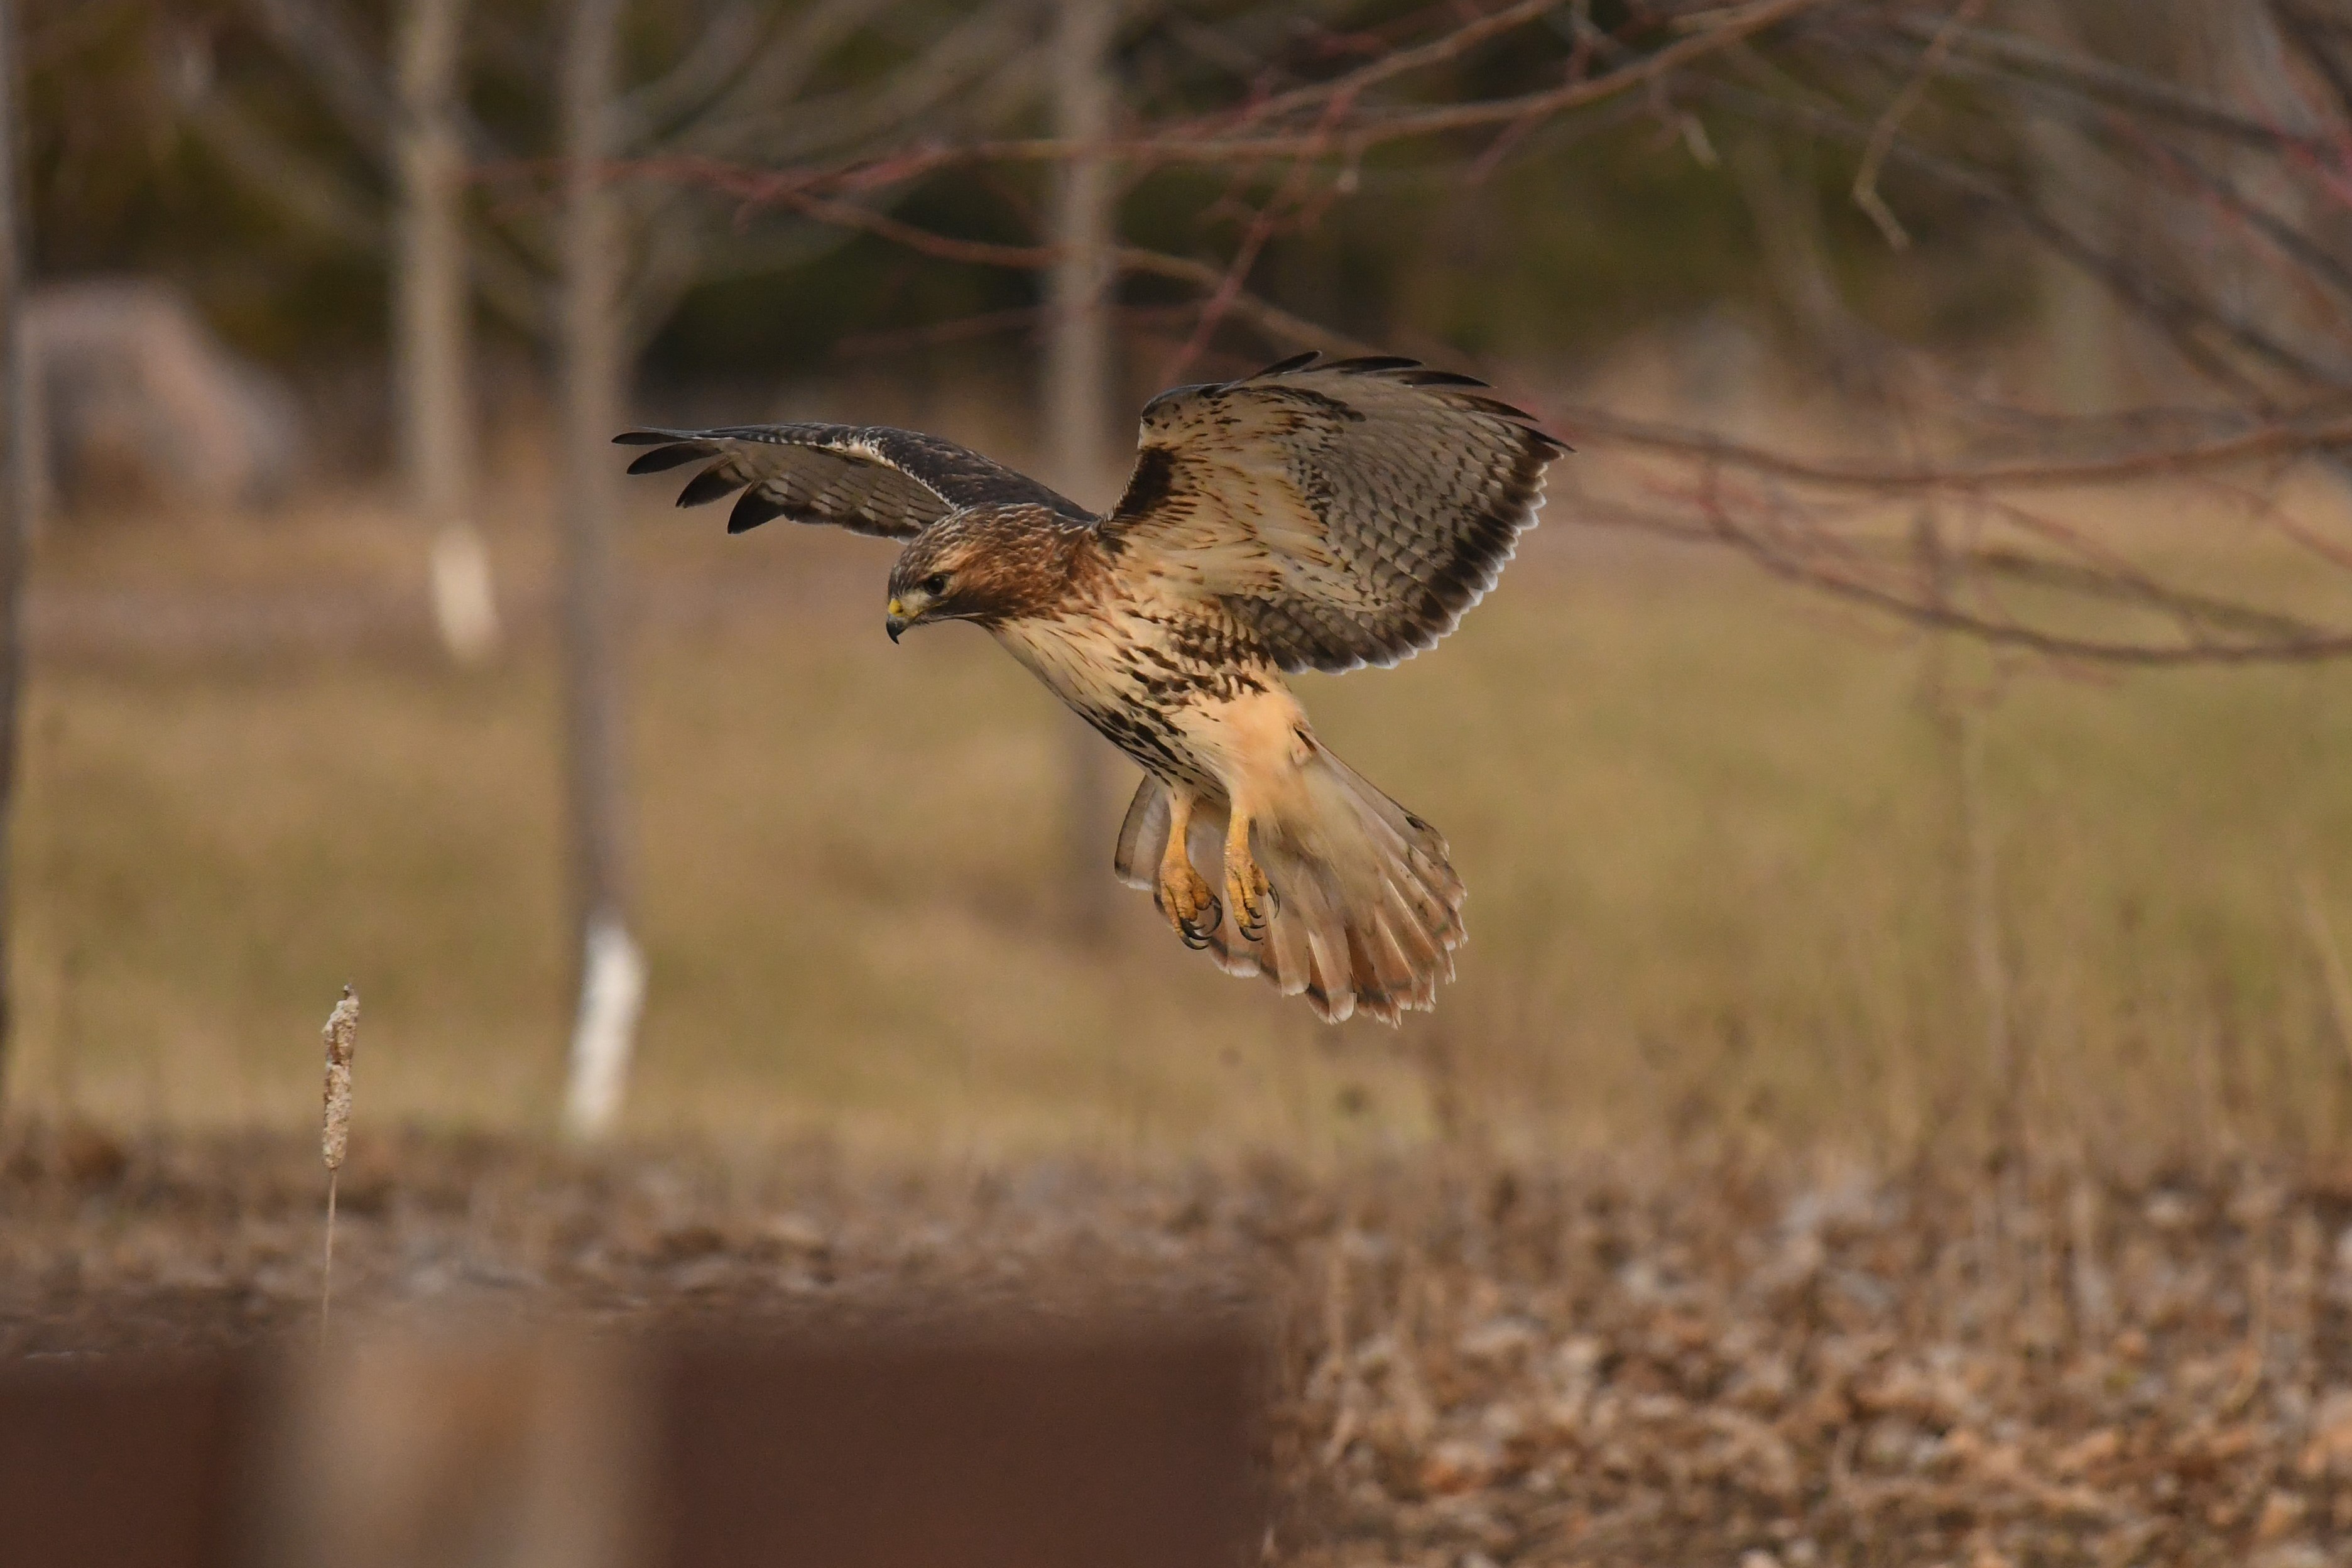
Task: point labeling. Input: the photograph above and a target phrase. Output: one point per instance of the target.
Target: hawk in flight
(1318, 515)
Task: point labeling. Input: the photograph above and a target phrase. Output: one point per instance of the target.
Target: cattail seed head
(342, 1037)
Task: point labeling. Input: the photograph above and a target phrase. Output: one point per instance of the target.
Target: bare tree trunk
(2082, 325)
(16, 492)
(1078, 391)
(1974, 858)
(2079, 322)
(430, 336)
(611, 971)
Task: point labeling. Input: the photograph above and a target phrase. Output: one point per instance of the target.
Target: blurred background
(1918, 723)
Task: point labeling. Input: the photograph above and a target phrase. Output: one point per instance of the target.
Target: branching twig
(1881, 135)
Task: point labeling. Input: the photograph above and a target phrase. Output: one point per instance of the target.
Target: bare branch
(2287, 438)
(1402, 62)
(1729, 27)
(1881, 135)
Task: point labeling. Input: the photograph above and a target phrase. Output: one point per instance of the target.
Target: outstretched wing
(866, 479)
(1349, 512)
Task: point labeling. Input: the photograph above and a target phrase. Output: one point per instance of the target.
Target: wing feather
(665, 457)
(1349, 512)
(867, 479)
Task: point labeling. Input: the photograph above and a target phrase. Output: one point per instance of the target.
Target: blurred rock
(139, 403)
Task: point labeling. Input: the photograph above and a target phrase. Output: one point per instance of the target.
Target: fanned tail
(1367, 908)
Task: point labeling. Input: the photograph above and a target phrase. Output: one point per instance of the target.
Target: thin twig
(327, 1264)
(1396, 63)
(1881, 135)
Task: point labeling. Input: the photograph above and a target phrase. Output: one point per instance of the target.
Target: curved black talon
(1196, 933)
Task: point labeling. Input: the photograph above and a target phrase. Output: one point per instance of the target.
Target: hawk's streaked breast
(1136, 663)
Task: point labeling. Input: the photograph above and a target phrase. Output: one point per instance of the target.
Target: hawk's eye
(936, 584)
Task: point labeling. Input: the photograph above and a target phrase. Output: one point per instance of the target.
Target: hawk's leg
(1185, 894)
(1247, 888)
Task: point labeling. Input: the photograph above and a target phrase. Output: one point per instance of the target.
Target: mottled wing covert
(866, 479)
(1349, 512)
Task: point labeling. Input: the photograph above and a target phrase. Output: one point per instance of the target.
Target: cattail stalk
(342, 1037)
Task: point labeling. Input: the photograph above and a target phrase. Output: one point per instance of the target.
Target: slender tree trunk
(1974, 859)
(2082, 324)
(610, 973)
(430, 326)
(17, 494)
(1079, 394)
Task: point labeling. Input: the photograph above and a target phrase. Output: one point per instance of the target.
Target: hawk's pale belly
(1178, 684)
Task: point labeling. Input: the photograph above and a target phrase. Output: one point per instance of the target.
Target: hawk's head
(987, 565)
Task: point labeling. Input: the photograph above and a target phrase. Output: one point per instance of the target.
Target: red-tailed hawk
(1313, 516)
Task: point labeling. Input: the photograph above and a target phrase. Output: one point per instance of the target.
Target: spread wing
(867, 479)
(1349, 512)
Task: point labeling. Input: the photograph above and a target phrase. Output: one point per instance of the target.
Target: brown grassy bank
(1609, 1360)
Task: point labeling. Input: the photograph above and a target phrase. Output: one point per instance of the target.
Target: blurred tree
(611, 971)
(1079, 387)
(431, 337)
(737, 81)
(713, 80)
(16, 498)
(205, 140)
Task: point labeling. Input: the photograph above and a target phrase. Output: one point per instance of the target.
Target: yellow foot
(1247, 888)
(1188, 901)
(1185, 897)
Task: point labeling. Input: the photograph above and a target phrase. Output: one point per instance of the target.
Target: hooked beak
(897, 620)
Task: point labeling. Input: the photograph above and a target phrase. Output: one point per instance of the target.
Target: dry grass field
(1712, 829)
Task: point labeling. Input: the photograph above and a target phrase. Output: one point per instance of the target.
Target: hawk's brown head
(990, 565)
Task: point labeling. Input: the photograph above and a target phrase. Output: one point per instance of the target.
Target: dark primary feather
(1349, 512)
(867, 479)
